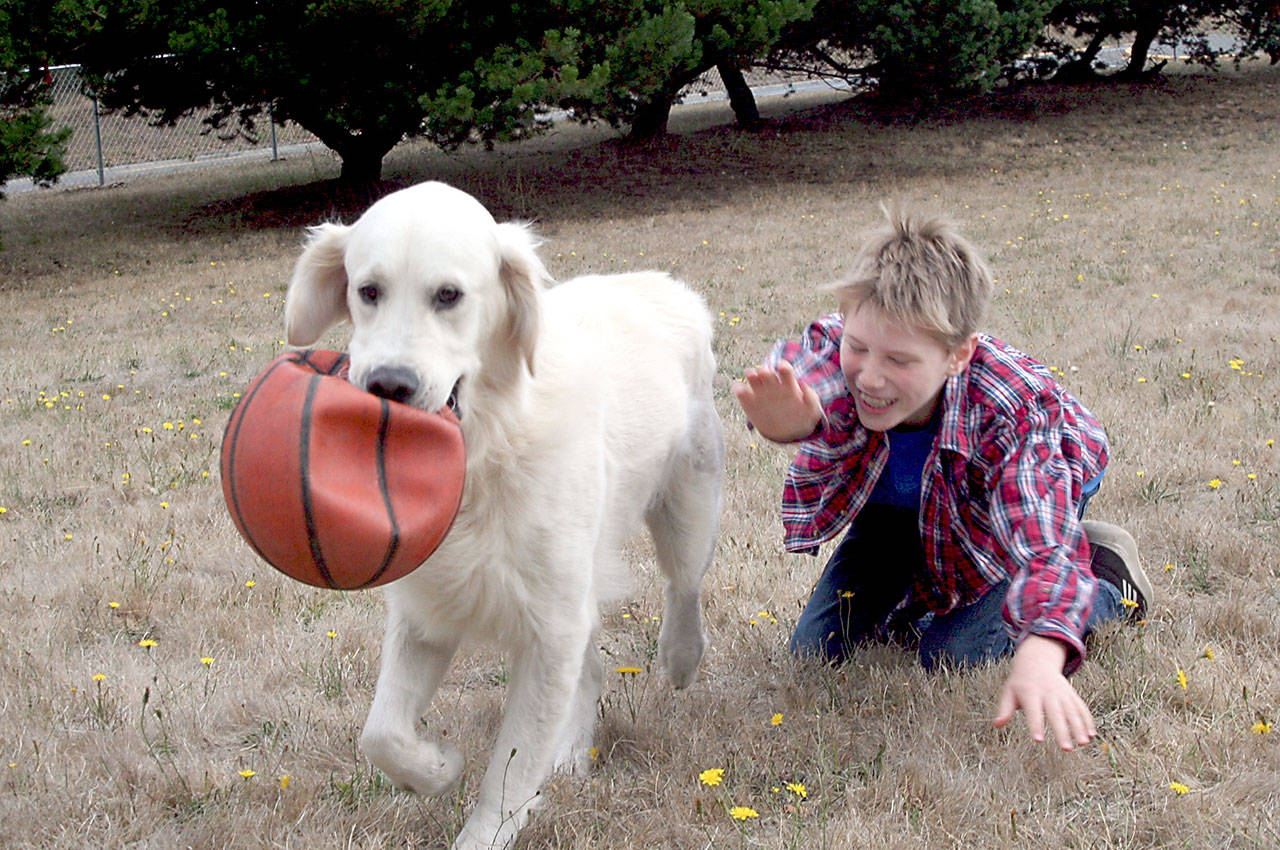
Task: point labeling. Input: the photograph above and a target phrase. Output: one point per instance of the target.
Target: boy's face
(894, 371)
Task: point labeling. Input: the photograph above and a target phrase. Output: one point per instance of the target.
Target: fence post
(97, 138)
(271, 113)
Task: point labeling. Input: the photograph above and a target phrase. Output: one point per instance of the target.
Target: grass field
(160, 687)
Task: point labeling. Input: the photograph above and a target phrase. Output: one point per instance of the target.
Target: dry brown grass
(1091, 202)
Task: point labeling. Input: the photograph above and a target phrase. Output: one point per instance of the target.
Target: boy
(962, 470)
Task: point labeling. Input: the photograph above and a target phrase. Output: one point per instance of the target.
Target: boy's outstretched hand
(1036, 685)
(779, 406)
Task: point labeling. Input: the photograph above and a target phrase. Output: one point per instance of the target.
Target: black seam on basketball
(304, 464)
(231, 439)
(393, 545)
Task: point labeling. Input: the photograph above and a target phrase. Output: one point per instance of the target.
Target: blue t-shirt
(909, 447)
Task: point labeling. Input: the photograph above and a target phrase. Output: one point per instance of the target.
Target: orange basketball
(332, 485)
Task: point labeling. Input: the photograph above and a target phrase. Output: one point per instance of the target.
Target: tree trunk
(740, 96)
(1143, 38)
(361, 164)
(651, 118)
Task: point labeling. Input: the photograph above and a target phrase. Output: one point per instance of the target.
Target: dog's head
(439, 295)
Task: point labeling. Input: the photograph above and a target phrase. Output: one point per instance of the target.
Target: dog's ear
(524, 277)
(317, 297)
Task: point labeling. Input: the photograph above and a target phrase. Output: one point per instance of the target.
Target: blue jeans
(870, 573)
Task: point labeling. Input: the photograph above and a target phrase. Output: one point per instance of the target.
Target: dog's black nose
(394, 382)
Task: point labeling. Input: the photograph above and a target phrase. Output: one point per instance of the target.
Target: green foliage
(28, 145)
(915, 49)
(651, 50)
(359, 74)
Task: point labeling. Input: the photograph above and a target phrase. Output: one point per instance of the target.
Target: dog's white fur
(586, 410)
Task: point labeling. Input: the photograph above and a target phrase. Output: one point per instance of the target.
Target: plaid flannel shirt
(1000, 489)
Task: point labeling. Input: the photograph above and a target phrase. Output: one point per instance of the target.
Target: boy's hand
(779, 406)
(1036, 685)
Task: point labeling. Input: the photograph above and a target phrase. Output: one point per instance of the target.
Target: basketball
(334, 486)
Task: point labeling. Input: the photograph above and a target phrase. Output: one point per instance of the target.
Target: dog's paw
(423, 767)
(680, 654)
(574, 758)
(482, 832)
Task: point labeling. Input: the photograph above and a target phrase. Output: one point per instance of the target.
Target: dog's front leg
(411, 671)
(544, 677)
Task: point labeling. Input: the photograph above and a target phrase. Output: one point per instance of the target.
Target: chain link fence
(101, 139)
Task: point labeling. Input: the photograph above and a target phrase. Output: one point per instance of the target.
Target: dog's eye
(447, 296)
(369, 293)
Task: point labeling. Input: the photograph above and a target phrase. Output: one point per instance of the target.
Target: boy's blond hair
(920, 272)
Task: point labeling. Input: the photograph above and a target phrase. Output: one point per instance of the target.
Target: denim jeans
(869, 574)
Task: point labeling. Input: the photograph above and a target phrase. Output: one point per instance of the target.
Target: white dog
(586, 409)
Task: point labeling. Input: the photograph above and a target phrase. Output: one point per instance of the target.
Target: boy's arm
(777, 404)
(1034, 519)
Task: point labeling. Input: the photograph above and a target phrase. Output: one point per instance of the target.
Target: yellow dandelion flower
(98, 677)
(1186, 375)
(1215, 483)
(776, 720)
(628, 671)
(250, 583)
(743, 813)
(1168, 568)
(711, 776)
(798, 789)
(1129, 603)
(331, 634)
(1182, 679)
(284, 781)
(593, 752)
(67, 536)
(206, 660)
(113, 604)
(147, 643)
(168, 426)
(1208, 653)
(3, 509)
(248, 774)
(1262, 727)
(1178, 788)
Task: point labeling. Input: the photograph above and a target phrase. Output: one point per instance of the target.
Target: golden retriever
(586, 409)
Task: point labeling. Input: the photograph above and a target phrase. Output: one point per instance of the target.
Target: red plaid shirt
(1000, 489)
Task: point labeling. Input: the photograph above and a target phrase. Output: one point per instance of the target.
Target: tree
(1256, 23)
(913, 49)
(654, 49)
(1149, 22)
(360, 74)
(28, 144)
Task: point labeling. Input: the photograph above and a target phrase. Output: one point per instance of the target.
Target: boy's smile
(895, 371)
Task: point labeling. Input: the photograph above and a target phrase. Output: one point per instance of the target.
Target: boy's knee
(812, 645)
